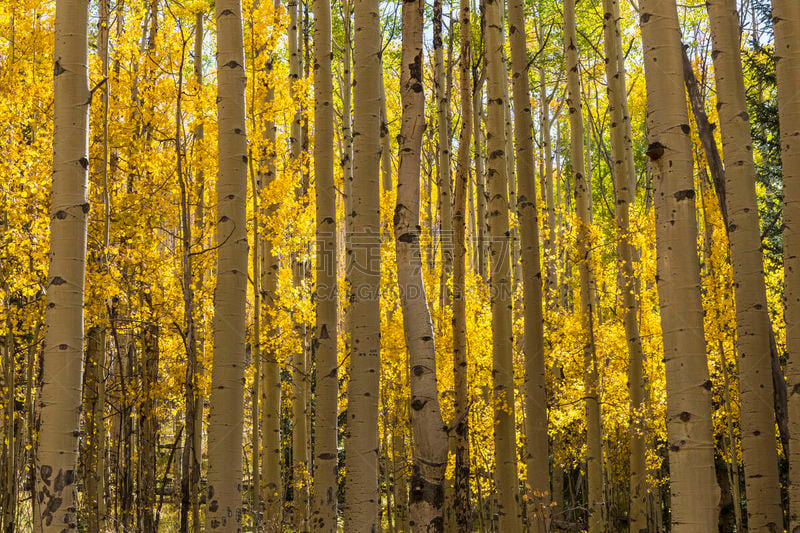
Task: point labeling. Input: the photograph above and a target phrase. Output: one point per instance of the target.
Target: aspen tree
(94, 394)
(623, 176)
(461, 483)
(200, 223)
(430, 442)
(757, 415)
(94, 380)
(594, 453)
(786, 20)
(271, 383)
(56, 466)
(537, 454)
(190, 464)
(148, 428)
(256, 186)
(442, 97)
(224, 500)
(506, 480)
(299, 367)
(361, 494)
(694, 492)
(550, 277)
(480, 176)
(386, 142)
(346, 161)
(325, 487)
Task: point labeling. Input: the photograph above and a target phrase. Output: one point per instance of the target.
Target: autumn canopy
(363, 265)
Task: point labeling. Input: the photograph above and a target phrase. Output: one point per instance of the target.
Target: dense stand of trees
(362, 265)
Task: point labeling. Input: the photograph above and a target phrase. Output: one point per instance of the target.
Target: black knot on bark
(655, 151)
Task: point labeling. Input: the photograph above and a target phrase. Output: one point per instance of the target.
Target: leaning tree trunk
(325, 488)
(461, 497)
(506, 478)
(693, 487)
(757, 414)
(786, 18)
(624, 181)
(56, 466)
(361, 496)
(537, 454)
(594, 453)
(430, 442)
(224, 499)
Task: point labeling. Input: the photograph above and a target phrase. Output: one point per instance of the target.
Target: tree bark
(361, 496)
(272, 490)
(594, 453)
(442, 96)
(693, 487)
(786, 20)
(624, 191)
(705, 130)
(224, 510)
(56, 475)
(481, 259)
(94, 447)
(460, 504)
(550, 258)
(148, 427)
(189, 460)
(757, 414)
(537, 454)
(430, 443)
(326, 485)
(500, 286)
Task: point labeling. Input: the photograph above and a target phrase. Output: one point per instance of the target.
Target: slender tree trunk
(786, 19)
(400, 466)
(622, 158)
(705, 130)
(537, 454)
(386, 141)
(148, 427)
(56, 475)
(200, 224)
(731, 450)
(361, 496)
(506, 478)
(430, 441)
(551, 272)
(95, 365)
(188, 456)
(224, 500)
(300, 460)
(94, 448)
(442, 97)
(693, 487)
(480, 177)
(325, 489)
(271, 383)
(594, 453)
(256, 497)
(460, 504)
(757, 415)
